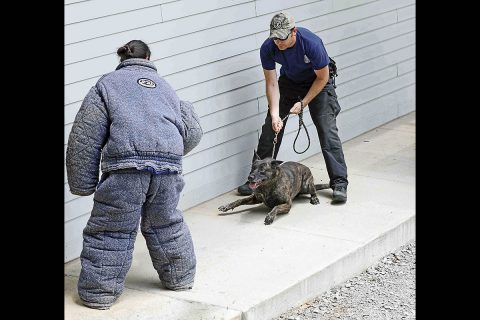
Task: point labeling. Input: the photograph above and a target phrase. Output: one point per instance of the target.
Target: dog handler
(135, 123)
(305, 74)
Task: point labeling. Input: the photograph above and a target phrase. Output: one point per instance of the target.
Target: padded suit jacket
(131, 118)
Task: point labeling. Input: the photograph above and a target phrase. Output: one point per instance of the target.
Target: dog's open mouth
(254, 185)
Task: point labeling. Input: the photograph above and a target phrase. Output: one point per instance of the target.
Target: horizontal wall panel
(228, 116)
(406, 66)
(182, 43)
(213, 70)
(406, 13)
(93, 9)
(374, 113)
(371, 65)
(370, 38)
(223, 134)
(167, 66)
(67, 2)
(92, 68)
(357, 27)
(219, 152)
(387, 46)
(104, 64)
(159, 32)
(68, 196)
(77, 91)
(366, 81)
(379, 90)
(70, 111)
(303, 12)
(221, 85)
(230, 98)
(180, 9)
(77, 207)
(203, 38)
(112, 24)
(67, 130)
(206, 55)
(73, 235)
(215, 179)
(344, 4)
(268, 6)
(406, 100)
(320, 24)
(171, 43)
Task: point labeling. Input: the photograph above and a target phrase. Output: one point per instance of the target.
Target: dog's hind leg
(248, 200)
(281, 208)
(313, 197)
(311, 189)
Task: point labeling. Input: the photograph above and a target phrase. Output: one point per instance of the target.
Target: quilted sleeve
(192, 129)
(85, 142)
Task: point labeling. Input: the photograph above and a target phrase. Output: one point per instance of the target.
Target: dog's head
(263, 171)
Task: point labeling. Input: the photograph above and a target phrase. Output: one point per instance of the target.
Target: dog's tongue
(253, 185)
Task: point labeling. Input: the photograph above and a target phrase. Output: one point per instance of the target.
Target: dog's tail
(322, 186)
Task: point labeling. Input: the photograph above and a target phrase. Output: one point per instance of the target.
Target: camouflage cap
(281, 25)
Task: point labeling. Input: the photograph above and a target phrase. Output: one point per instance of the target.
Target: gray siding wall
(208, 51)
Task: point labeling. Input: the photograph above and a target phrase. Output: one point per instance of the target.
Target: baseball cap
(281, 25)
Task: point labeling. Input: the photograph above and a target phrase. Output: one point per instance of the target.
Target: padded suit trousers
(125, 199)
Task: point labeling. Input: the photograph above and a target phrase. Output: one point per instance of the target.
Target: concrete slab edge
(343, 269)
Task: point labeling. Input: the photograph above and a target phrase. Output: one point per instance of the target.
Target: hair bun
(122, 50)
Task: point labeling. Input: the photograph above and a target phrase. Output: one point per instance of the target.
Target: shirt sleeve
(266, 56)
(316, 52)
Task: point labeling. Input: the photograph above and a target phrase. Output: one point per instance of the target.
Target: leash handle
(300, 124)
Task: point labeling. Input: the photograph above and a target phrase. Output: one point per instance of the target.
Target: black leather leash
(300, 124)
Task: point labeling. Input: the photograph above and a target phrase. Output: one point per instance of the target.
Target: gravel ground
(386, 290)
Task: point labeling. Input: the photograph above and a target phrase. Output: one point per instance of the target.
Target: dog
(276, 184)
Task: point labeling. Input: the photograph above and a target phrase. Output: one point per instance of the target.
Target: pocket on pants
(333, 101)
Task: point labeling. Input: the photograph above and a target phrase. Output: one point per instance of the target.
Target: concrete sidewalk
(246, 270)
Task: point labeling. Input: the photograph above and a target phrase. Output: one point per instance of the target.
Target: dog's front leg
(248, 200)
(281, 208)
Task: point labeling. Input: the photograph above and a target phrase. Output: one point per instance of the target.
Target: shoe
(340, 193)
(245, 189)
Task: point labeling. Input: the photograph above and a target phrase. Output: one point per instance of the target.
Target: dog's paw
(225, 208)
(268, 220)
(314, 200)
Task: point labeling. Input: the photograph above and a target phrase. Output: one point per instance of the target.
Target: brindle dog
(276, 184)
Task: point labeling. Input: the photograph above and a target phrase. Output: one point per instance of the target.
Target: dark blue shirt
(298, 62)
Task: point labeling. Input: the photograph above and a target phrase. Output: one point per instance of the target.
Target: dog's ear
(276, 163)
(256, 155)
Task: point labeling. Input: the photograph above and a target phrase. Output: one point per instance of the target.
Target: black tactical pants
(324, 109)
